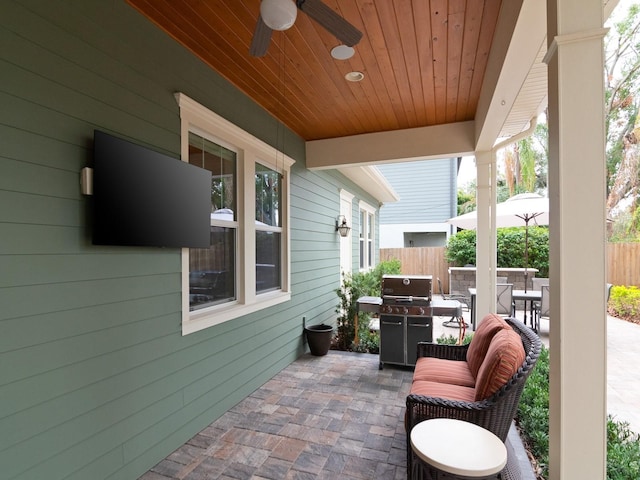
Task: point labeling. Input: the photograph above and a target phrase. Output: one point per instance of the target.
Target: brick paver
(336, 416)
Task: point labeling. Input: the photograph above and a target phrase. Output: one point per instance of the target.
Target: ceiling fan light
(278, 14)
(342, 52)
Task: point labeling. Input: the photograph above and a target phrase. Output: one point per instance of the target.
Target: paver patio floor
(335, 416)
(339, 416)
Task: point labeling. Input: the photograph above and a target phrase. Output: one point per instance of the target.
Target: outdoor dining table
(530, 296)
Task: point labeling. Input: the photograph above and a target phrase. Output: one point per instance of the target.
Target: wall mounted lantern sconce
(341, 226)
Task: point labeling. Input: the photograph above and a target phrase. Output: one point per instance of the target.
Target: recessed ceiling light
(342, 52)
(354, 76)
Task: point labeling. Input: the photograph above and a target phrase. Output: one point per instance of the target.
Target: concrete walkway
(623, 371)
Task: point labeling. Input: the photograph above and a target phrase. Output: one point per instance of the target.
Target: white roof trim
(371, 181)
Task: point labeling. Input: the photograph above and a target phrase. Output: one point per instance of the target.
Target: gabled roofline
(371, 180)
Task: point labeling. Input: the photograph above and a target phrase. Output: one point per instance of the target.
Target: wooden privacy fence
(421, 261)
(623, 263)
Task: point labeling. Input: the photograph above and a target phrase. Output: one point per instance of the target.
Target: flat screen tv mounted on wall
(145, 198)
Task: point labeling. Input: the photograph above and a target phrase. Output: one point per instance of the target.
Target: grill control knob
(420, 311)
(405, 310)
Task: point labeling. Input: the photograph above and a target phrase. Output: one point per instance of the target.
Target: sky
(467, 171)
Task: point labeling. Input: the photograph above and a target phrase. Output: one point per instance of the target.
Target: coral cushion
(489, 326)
(442, 390)
(444, 371)
(504, 356)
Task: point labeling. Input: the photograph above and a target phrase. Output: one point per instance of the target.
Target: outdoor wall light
(341, 226)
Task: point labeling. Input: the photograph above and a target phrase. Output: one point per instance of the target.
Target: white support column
(577, 193)
(486, 256)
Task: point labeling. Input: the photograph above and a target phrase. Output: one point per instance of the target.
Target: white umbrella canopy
(518, 211)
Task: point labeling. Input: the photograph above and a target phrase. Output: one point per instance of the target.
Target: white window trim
(197, 118)
(364, 206)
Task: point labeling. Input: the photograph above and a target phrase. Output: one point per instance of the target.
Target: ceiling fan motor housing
(278, 14)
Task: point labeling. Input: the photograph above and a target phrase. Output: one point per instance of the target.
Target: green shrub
(533, 413)
(623, 451)
(369, 342)
(453, 339)
(624, 303)
(623, 445)
(354, 286)
(461, 248)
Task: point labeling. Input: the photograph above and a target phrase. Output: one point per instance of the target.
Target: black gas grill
(406, 317)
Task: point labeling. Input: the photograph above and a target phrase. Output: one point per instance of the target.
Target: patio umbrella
(522, 208)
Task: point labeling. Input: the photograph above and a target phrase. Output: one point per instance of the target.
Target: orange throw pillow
(504, 357)
(490, 325)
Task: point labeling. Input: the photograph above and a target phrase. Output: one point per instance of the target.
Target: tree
(466, 200)
(622, 101)
(526, 163)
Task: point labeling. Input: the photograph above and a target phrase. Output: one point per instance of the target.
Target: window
(268, 229)
(367, 229)
(246, 268)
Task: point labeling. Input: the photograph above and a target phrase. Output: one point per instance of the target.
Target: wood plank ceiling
(423, 60)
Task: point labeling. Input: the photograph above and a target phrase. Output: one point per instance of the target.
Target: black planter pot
(319, 338)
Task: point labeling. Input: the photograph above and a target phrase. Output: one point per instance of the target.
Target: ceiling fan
(281, 14)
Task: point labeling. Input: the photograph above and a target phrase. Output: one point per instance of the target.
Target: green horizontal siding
(96, 380)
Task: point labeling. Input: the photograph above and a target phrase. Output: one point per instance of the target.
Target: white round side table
(447, 448)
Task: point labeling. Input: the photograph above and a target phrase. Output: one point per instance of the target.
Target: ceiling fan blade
(331, 21)
(261, 39)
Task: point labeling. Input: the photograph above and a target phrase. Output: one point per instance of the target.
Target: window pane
(212, 270)
(222, 164)
(268, 260)
(268, 196)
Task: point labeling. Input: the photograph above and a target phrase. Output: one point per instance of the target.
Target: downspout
(533, 123)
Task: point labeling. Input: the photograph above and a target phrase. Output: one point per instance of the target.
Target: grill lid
(406, 286)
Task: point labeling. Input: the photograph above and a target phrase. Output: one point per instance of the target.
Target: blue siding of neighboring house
(428, 197)
(96, 380)
(427, 191)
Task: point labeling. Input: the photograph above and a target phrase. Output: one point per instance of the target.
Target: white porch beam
(513, 53)
(577, 187)
(441, 141)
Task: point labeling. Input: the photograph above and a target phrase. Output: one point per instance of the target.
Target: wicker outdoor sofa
(442, 389)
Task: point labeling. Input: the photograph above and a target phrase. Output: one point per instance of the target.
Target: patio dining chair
(541, 308)
(464, 301)
(504, 300)
(538, 282)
